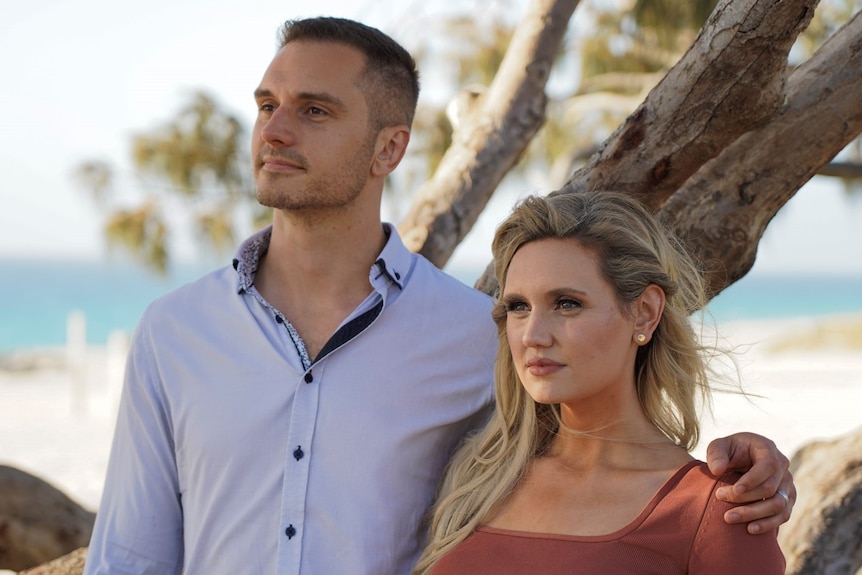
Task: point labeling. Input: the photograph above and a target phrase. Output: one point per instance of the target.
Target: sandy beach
(803, 377)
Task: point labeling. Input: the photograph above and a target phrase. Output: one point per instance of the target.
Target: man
(293, 414)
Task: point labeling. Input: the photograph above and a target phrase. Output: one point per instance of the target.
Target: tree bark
(492, 140)
(729, 81)
(726, 138)
(825, 533)
(37, 522)
(71, 564)
(724, 209)
(842, 170)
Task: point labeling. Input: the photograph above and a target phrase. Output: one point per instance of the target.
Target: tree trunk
(728, 82)
(727, 138)
(724, 209)
(71, 564)
(825, 533)
(492, 140)
(37, 522)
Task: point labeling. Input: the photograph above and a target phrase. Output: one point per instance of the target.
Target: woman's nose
(537, 331)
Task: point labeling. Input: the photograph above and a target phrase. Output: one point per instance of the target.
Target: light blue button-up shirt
(233, 453)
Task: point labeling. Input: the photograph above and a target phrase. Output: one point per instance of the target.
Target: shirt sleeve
(139, 523)
(720, 548)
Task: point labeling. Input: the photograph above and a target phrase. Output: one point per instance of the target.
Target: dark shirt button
(298, 453)
(290, 531)
(235, 263)
(308, 377)
(397, 276)
(279, 319)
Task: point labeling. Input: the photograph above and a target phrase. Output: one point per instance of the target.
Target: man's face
(312, 144)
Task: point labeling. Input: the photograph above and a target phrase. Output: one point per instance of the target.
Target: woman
(584, 466)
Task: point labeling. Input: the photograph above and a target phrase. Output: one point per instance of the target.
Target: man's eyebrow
(311, 96)
(262, 93)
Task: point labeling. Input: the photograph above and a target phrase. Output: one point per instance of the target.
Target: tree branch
(724, 209)
(843, 170)
(486, 147)
(730, 80)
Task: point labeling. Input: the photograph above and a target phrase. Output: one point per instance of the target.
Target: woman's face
(571, 342)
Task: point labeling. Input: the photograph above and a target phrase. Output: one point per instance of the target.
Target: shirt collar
(248, 257)
(394, 260)
(393, 263)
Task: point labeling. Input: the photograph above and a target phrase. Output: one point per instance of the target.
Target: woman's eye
(568, 304)
(516, 306)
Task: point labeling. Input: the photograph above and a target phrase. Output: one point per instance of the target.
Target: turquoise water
(762, 297)
(37, 296)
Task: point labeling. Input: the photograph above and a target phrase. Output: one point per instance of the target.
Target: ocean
(36, 298)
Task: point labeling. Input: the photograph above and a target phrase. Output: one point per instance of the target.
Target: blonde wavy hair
(633, 251)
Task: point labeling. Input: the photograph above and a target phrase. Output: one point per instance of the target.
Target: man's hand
(767, 485)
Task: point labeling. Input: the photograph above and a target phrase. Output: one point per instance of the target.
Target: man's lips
(280, 165)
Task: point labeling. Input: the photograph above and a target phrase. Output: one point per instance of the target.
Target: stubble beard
(319, 194)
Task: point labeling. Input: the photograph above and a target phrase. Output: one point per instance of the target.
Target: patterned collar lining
(248, 257)
(251, 250)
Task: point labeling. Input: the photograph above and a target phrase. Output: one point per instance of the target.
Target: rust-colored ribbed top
(681, 530)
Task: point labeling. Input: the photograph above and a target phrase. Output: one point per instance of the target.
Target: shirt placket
(297, 456)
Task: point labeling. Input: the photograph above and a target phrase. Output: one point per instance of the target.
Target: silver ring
(785, 496)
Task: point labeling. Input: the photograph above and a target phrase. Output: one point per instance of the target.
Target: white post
(118, 350)
(76, 358)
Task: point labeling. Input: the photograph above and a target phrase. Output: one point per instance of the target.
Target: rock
(38, 522)
(824, 534)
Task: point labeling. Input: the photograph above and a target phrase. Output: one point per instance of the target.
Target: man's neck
(317, 275)
(325, 251)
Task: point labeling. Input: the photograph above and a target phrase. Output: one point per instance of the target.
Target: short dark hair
(390, 80)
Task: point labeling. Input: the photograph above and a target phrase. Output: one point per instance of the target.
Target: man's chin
(272, 198)
(282, 203)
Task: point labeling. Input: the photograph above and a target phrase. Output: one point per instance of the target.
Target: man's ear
(389, 149)
(648, 309)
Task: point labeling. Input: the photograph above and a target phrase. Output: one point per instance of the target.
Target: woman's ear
(648, 309)
(389, 149)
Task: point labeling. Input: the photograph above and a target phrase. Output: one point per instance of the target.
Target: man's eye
(315, 111)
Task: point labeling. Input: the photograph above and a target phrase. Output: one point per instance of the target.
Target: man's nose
(280, 128)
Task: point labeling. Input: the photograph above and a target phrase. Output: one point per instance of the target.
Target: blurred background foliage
(198, 162)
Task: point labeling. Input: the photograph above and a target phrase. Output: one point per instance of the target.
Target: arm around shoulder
(720, 548)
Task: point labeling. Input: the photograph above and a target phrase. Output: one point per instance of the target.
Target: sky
(80, 78)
